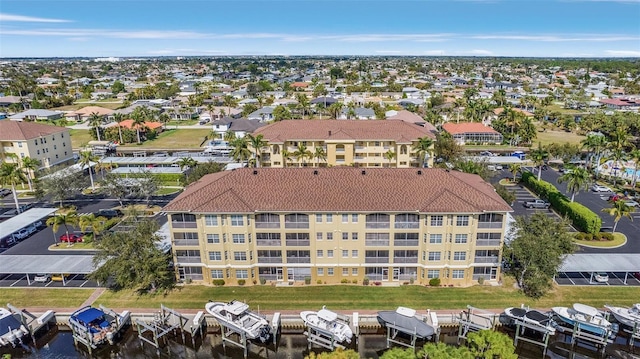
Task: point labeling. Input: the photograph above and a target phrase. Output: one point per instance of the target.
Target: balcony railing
(194, 276)
(402, 225)
(269, 259)
(492, 260)
(183, 259)
(298, 259)
(405, 259)
(488, 242)
(268, 276)
(176, 224)
(186, 242)
(267, 224)
(376, 242)
(297, 242)
(374, 277)
(407, 276)
(296, 224)
(489, 224)
(269, 242)
(406, 242)
(377, 225)
(485, 276)
(376, 259)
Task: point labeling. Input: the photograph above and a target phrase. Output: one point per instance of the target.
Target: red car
(71, 238)
(615, 197)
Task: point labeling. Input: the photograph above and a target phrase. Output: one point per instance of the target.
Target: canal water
(59, 345)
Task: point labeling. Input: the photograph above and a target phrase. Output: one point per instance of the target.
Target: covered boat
(237, 316)
(531, 316)
(328, 321)
(585, 317)
(406, 319)
(11, 330)
(627, 316)
(99, 327)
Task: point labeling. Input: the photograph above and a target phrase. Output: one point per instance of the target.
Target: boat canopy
(236, 308)
(8, 323)
(88, 315)
(327, 315)
(585, 309)
(407, 312)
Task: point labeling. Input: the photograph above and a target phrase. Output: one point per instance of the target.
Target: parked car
(601, 277)
(108, 213)
(23, 233)
(71, 238)
(614, 197)
(636, 275)
(42, 278)
(58, 277)
(600, 188)
(4, 192)
(486, 153)
(537, 203)
(631, 203)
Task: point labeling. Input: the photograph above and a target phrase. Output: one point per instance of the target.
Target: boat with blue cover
(97, 325)
(585, 317)
(11, 330)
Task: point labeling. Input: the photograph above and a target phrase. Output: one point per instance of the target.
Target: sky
(122, 28)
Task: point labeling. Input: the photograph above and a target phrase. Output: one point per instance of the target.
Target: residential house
(85, 113)
(239, 126)
(264, 114)
(472, 132)
(37, 115)
(51, 145)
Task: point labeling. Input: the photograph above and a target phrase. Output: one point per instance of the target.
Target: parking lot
(582, 278)
(20, 280)
(523, 195)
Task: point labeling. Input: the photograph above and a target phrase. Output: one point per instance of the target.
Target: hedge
(582, 217)
(164, 177)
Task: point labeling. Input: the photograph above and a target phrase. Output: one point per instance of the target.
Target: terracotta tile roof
(91, 109)
(310, 130)
(467, 127)
(150, 125)
(339, 189)
(20, 131)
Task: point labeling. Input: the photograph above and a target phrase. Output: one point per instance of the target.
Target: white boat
(533, 317)
(407, 320)
(237, 316)
(627, 316)
(98, 325)
(585, 317)
(328, 321)
(11, 330)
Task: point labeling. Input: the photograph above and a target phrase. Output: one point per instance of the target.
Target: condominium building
(330, 225)
(51, 145)
(383, 143)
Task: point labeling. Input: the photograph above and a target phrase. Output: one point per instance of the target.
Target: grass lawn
(560, 137)
(44, 297)
(618, 240)
(112, 105)
(166, 191)
(182, 123)
(80, 138)
(172, 139)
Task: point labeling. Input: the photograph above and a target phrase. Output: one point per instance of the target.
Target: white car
(631, 203)
(601, 277)
(600, 188)
(42, 278)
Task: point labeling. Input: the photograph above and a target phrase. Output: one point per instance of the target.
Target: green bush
(218, 282)
(263, 281)
(606, 236)
(344, 281)
(581, 216)
(481, 280)
(163, 177)
(365, 281)
(307, 280)
(355, 281)
(434, 282)
(319, 281)
(241, 282)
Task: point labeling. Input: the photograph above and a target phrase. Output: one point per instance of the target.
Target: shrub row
(581, 216)
(601, 236)
(164, 177)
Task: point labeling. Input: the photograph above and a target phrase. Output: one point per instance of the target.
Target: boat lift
(325, 338)
(393, 330)
(634, 334)
(242, 342)
(578, 333)
(522, 325)
(474, 320)
(169, 321)
(31, 322)
(86, 338)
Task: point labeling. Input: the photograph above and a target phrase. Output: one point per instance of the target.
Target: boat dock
(33, 323)
(168, 321)
(474, 320)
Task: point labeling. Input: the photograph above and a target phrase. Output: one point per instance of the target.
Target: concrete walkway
(92, 298)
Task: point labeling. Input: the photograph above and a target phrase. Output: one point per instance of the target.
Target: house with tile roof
(345, 143)
(51, 145)
(390, 225)
(472, 132)
(37, 114)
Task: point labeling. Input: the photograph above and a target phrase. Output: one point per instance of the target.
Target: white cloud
(389, 37)
(557, 38)
(20, 18)
(478, 52)
(623, 53)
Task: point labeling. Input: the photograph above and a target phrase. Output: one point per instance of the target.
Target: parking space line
(85, 282)
(16, 282)
(48, 284)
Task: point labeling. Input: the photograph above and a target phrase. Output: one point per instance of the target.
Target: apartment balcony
(269, 242)
(406, 243)
(175, 224)
(298, 259)
(405, 259)
(377, 225)
(183, 259)
(267, 224)
(496, 225)
(376, 242)
(186, 242)
(268, 276)
(298, 242)
(488, 243)
(270, 259)
(406, 225)
(376, 259)
(294, 225)
(488, 260)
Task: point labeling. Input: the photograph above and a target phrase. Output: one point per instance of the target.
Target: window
(406, 239)
(407, 220)
(240, 256)
(345, 253)
(242, 273)
(38, 152)
(210, 220)
(345, 236)
(297, 239)
(329, 271)
(461, 238)
(345, 218)
(237, 220)
(330, 253)
(354, 271)
(345, 272)
(354, 236)
(329, 218)
(488, 236)
(458, 274)
(320, 271)
(213, 238)
(433, 273)
(238, 238)
(377, 220)
(215, 256)
(20, 144)
(329, 236)
(319, 253)
(459, 256)
(318, 218)
(296, 220)
(354, 218)
(435, 238)
(354, 253)
(403, 149)
(436, 221)
(54, 147)
(490, 217)
(267, 220)
(217, 274)
(462, 221)
(318, 236)
(434, 256)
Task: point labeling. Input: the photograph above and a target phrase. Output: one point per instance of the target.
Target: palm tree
(118, 118)
(617, 155)
(257, 143)
(423, 149)
(618, 210)
(29, 165)
(302, 152)
(102, 166)
(320, 154)
(95, 120)
(90, 221)
(334, 110)
(286, 156)
(62, 219)
(576, 180)
(12, 175)
(229, 101)
(635, 157)
(539, 156)
(240, 149)
(594, 144)
(139, 117)
(229, 136)
(390, 155)
(87, 159)
(515, 168)
(186, 162)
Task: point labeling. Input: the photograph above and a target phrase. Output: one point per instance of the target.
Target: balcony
(298, 259)
(405, 225)
(405, 242)
(293, 225)
(377, 225)
(376, 259)
(269, 242)
(297, 242)
(176, 224)
(490, 225)
(268, 276)
(267, 224)
(184, 259)
(376, 242)
(186, 242)
(489, 260)
(270, 259)
(488, 243)
(405, 259)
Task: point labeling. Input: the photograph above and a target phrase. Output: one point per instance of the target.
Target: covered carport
(601, 262)
(24, 219)
(31, 265)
